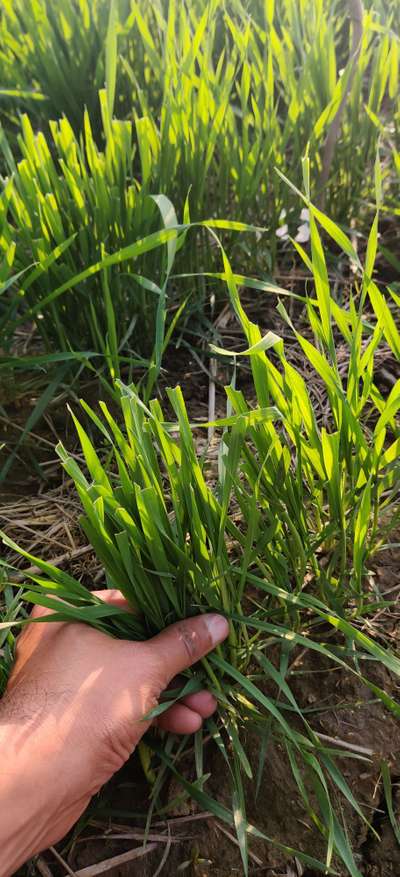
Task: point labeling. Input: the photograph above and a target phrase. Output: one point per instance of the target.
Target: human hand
(73, 714)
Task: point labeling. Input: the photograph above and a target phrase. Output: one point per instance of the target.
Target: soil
(339, 706)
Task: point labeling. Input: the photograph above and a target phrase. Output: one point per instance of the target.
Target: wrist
(22, 823)
(28, 791)
(39, 797)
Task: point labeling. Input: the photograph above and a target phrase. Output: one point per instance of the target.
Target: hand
(73, 714)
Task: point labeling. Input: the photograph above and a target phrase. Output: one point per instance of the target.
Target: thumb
(182, 644)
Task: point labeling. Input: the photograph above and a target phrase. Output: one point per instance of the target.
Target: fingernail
(218, 628)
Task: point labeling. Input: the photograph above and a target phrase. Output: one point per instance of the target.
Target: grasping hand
(73, 714)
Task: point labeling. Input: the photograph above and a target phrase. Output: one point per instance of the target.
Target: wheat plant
(277, 535)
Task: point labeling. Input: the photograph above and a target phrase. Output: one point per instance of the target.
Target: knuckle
(111, 744)
(117, 745)
(156, 669)
(37, 612)
(189, 639)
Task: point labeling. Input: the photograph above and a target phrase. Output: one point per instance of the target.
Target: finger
(184, 643)
(203, 703)
(40, 611)
(179, 719)
(111, 596)
(114, 597)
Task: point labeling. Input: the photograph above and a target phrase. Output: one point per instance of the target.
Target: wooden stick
(62, 862)
(356, 14)
(136, 835)
(34, 570)
(115, 861)
(344, 744)
(211, 385)
(42, 867)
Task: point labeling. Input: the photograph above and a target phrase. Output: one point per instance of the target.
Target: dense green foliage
(133, 135)
(220, 93)
(280, 543)
(208, 97)
(65, 213)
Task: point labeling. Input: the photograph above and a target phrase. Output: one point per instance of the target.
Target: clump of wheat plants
(78, 227)
(219, 94)
(53, 59)
(89, 247)
(127, 128)
(278, 537)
